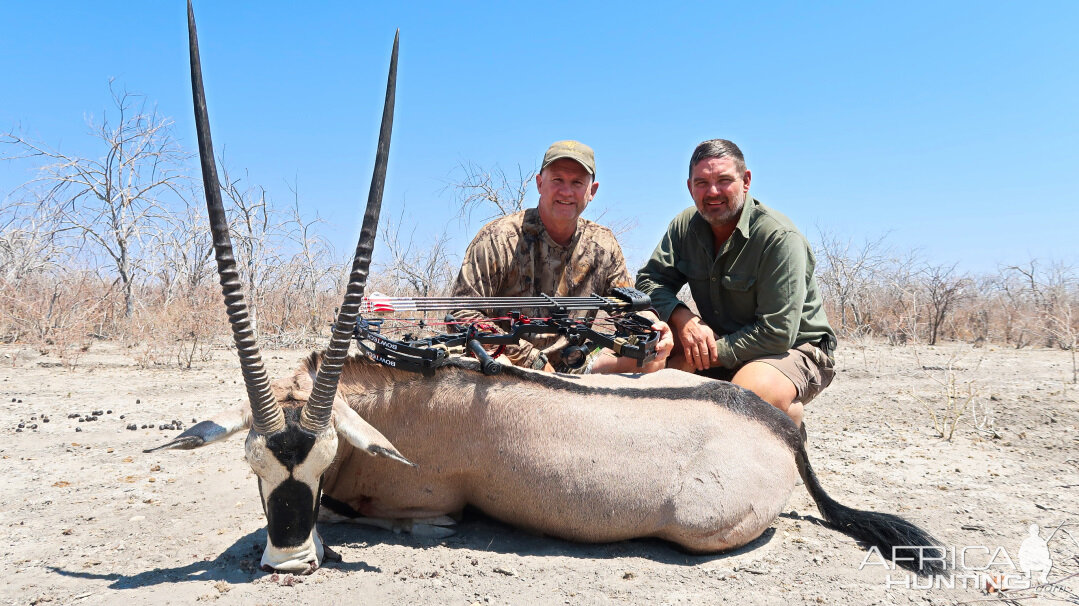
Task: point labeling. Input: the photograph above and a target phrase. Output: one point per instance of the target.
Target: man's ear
(745, 181)
(539, 179)
(595, 188)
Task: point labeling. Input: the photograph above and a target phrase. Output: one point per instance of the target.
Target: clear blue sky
(953, 125)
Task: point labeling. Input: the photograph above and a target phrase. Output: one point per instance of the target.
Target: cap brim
(570, 157)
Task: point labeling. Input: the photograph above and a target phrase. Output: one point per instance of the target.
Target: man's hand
(663, 347)
(607, 362)
(697, 339)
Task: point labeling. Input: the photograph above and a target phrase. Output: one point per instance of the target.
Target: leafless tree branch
(115, 202)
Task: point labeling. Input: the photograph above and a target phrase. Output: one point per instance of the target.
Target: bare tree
(943, 289)
(983, 303)
(846, 273)
(55, 311)
(308, 272)
(620, 227)
(412, 269)
(183, 259)
(492, 192)
(1017, 310)
(1063, 326)
(957, 392)
(31, 241)
(254, 226)
(1054, 293)
(113, 201)
(900, 299)
(285, 263)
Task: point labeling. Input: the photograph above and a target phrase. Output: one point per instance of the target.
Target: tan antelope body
(593, 458)
(702, 463)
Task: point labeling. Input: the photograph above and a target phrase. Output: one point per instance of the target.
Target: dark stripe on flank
(727, 395)
(341, 508)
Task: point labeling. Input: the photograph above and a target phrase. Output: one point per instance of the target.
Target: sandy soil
(88, 518)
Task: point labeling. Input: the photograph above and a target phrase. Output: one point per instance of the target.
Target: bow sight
(632, 336)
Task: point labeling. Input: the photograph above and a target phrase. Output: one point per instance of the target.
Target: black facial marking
(291, 508)
(292, 444)
(290, 513)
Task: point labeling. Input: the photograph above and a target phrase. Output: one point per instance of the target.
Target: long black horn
(316, 413)
(266, 414)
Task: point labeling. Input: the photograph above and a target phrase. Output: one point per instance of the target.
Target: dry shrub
(179, 332)
(54, 312)
(294, 318)
(871, 291)
(957, 395)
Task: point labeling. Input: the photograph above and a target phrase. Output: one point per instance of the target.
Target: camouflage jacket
(514, 256)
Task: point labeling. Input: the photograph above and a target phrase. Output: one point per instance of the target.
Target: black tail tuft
(898, 540)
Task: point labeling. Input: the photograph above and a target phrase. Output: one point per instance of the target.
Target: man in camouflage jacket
(551, 250)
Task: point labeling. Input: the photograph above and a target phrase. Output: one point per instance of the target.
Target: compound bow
(632, 335)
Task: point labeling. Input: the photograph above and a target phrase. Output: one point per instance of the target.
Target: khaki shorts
(807, 366)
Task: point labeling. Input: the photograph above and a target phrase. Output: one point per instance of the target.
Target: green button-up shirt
(758, 293)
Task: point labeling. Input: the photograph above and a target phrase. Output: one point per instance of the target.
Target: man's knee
(769, 383)
(795, 411)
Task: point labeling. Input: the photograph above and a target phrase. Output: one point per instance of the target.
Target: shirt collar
(532, 225)
(750, 210)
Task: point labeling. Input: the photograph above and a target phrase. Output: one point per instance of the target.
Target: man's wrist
(725, 353)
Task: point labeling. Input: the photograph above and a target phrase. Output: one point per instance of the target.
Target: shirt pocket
(738, 298)
(738, 283)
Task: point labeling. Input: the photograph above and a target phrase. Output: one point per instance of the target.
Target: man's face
(565, 189)
(718, 190)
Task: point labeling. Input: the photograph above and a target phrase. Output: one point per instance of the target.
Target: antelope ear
(351, 426)
(213, 430)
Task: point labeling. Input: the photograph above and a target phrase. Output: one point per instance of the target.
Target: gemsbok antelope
(705, 464)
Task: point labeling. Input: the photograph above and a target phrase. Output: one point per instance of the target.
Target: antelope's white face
(289, 465)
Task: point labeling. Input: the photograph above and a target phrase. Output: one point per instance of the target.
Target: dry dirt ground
(88, 518)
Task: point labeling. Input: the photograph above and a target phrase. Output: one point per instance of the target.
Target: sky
(950, 127)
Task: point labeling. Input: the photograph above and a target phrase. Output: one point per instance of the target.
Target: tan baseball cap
(574, 150)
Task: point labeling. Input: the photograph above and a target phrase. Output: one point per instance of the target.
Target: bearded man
(760, 321)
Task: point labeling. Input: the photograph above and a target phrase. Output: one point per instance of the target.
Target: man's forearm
(752, 342)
